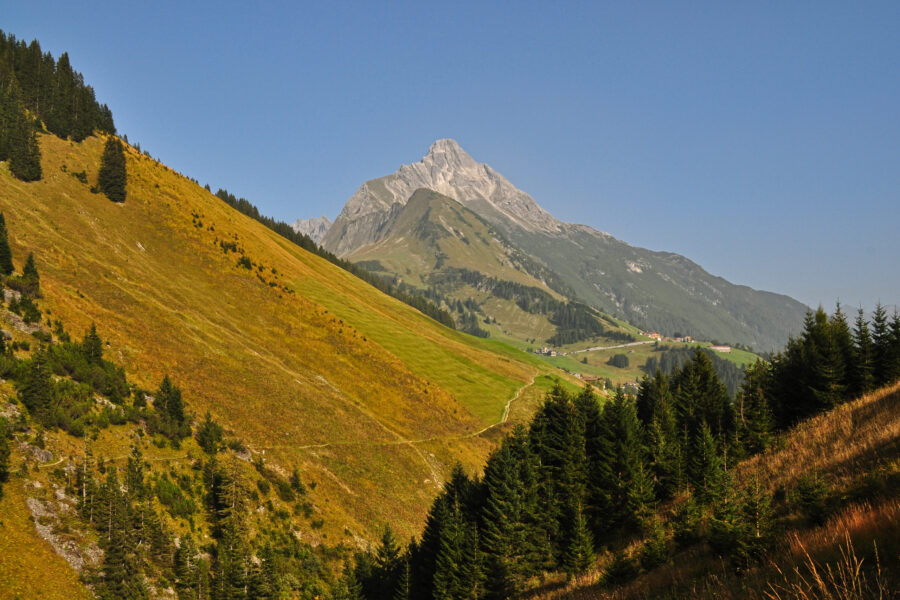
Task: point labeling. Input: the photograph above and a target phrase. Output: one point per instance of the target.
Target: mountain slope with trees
(305, 361)
(651, 495)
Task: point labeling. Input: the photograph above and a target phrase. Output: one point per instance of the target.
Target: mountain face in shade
(315, 228)
(654, 290)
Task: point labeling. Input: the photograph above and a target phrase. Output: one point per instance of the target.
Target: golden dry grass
(840, 444)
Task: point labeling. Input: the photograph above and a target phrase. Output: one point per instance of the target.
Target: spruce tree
(705, 470)
(863, 380)
(578, 554)
(881, 346)
(31, 280)
(113, 176)
(450, 564)
(185, 568)
(387, 565)
(134, 473)
(36, 389)
(752, 407)
(6, 263)
(622, 487)
(826, 362)
(25, 153)
(894, 351)
(170, 405)
(844, 340)
(92, 346)
(4, 454)
(514, 542)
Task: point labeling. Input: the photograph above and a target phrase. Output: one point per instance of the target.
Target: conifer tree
(92, 346)
(185, 568)
(261, 585)
(387, 565)
(450, 564)
(112, 176)
(826, 361)
(622, 486)
(25, 153)
(578, 554)
(4, 454)
(705, 470)
(134, 473)
(700, 396)
(36, 390)
(843, 339)
(514, 544)
(752, 408)
(404, 581)
(348, 586)
(6, 263)
(557, 439)
(31, 280)
(863, 380)
(894, 352)
(169, 403)
(881, 346)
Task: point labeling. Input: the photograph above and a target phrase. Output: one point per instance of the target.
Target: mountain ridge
(655, 290)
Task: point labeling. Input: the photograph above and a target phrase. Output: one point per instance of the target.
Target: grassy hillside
(853, 455)
(300, 359)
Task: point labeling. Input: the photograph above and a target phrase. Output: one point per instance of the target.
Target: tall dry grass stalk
(844, 579)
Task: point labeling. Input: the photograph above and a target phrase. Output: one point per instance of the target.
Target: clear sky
(760, 139)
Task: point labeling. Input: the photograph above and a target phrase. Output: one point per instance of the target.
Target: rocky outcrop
(315, 228)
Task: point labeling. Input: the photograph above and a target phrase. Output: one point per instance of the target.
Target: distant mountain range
(653, 290)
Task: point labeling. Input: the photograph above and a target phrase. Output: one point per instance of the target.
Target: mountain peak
(447, 146)
(450, 171)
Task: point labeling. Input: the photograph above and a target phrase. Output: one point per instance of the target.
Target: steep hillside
(654, 290)
(300, 359)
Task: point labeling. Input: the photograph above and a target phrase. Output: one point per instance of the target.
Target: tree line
(38, 92)
(574, 321)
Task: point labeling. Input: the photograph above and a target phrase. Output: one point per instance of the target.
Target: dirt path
(607, 347)
(435, 476)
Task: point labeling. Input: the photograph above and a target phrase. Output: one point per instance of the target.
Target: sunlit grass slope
(302, 360)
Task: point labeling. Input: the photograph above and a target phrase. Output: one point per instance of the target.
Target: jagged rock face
(448, 170)
(316, 228)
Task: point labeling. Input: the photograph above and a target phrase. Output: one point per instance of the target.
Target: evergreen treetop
(112, 177)
(6, 263)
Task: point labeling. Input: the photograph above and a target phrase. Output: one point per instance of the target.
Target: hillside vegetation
(302, 360)
(681, 490)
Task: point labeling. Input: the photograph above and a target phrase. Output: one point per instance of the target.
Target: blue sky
(761, 140)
